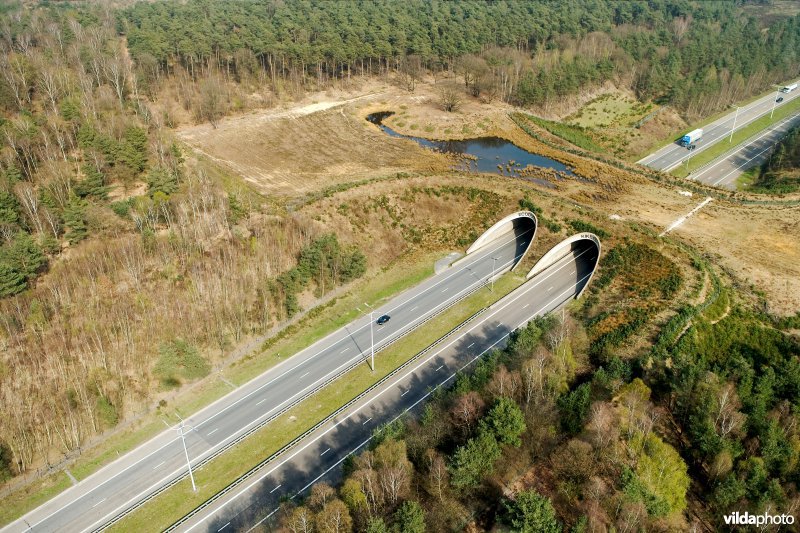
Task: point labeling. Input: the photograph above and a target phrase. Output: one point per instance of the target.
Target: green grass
(603, 112)
(657, 145)
(746, 178)
(719, 308)
(573, 134)
(177, 501)
(374, 290)
(32, 496)
(739, 136)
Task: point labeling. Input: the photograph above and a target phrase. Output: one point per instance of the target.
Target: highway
(319, 456)
(723, 171)
(138, 474)
(673, 155)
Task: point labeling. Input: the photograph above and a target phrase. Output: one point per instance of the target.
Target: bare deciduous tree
(450, 97)
(467, 409)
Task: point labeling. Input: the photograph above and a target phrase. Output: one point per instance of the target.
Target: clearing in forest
(294, 152)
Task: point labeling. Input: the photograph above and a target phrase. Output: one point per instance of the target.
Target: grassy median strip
(403, 275)
(739, 136)
(702, 123)
(179, 500)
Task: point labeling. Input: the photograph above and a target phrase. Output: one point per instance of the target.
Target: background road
(320, 455)
(723, 171)
(673, 155)
(113, 489)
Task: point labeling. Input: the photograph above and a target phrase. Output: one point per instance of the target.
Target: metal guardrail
(119, 516)
(739, 146)
(250, 473)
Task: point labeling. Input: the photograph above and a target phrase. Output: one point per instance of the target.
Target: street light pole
(774, 102)
(186, 452)
(735, 116)
(371, 338)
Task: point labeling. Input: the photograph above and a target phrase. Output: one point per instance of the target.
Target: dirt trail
(302, 149)
(295, 151)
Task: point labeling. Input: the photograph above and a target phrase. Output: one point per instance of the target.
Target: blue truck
(691, 138)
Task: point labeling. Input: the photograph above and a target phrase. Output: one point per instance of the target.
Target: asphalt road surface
(320, 455)
(673, 155)
(723, 171)
(98, 498)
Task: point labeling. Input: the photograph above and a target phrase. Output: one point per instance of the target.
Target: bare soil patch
(301, 152)
(296, 151)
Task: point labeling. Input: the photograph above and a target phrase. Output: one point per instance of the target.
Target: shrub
(580, 226)
(179, 359)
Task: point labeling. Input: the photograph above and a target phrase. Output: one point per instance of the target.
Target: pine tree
(93, 184)
(133, 151)
(9, 208)
(531, 512)
(25, 256)
(11, 280)
(12, 175)
(161, 180)
(75, 220)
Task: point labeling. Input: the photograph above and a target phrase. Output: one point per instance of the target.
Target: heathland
(186, 186)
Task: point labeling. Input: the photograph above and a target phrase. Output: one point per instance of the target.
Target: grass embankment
(739, 136)
(747, 178)
(702, 123)
(317, 324)
(179, 500)
(573, 134)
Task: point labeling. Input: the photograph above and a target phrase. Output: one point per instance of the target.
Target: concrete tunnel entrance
(584, 247)
(522, 224)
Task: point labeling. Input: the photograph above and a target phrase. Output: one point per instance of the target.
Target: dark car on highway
(780, 99)
(383, 319)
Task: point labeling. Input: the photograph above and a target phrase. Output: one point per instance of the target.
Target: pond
(484, 154)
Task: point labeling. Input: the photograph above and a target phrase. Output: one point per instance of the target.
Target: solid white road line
(397, 381)
(201, 456)
(755, 156)
(478, 256)
(708, 168)
(715, 125)
(354, 450)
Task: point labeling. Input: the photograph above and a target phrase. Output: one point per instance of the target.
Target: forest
(519, 442)
(128, 270)
(780, 174)
(695, 56)
(552, 434)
